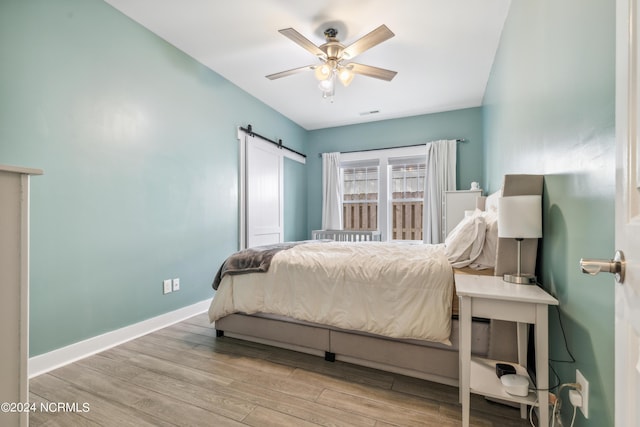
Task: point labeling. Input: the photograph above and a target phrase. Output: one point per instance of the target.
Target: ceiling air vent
(366, 113)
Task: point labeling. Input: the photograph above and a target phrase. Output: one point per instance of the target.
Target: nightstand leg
(523, 340)
(465, 357)
(542, 362)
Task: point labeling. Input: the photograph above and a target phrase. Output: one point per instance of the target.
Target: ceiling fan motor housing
(332, 48)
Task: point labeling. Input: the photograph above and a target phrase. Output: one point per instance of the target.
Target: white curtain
(331, 192)
(440, 176)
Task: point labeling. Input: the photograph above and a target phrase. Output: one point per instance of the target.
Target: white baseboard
(63, 356)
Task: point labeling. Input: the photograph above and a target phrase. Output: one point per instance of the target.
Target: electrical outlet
(584, 390)
(166, 286)
(175, 285)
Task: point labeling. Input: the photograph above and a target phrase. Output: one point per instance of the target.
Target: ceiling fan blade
(301, 40)
(375, 72)
(375, 37)
(290, 72)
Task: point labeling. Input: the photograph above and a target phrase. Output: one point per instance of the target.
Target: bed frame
(420, 359)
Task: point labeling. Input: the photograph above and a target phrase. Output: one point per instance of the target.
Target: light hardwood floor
(184, 376)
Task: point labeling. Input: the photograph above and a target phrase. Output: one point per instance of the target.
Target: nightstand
(491, 298)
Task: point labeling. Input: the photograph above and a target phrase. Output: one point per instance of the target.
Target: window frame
(383, 158)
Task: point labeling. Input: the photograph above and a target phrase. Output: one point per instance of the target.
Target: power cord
(575, 398)
(553, 412)
(531, 413)
(576, 387)
(557, 404)
(564, 338)
(572, 359)
(573, 418)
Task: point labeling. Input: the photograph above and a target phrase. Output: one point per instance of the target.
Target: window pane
(360, 202)
(407, 187)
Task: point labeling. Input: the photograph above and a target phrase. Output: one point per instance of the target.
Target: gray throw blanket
(251, 260)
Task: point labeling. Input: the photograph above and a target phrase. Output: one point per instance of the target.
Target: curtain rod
(250, 131)
(390, 148)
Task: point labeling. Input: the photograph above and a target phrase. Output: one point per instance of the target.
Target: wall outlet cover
(166, 286)
(175, 285)
(584, 390)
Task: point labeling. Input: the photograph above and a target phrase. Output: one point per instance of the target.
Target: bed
(384, 316)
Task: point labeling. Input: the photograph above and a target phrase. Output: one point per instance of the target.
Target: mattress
(386, 289)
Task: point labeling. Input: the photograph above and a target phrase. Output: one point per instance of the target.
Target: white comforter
(391, 289)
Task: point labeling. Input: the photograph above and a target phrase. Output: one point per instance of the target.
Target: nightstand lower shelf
(484, 381)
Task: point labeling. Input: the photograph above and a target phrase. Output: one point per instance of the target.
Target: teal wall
(138, 144)
(465, 124)
(549, 109)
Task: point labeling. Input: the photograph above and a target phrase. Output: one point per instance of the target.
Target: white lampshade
(520, 217)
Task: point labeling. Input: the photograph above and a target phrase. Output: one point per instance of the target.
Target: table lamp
(520, 217)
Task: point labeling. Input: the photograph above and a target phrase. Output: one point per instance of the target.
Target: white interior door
(627, 294)
(264, 193)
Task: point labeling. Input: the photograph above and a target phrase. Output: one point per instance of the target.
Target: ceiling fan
(333, 56)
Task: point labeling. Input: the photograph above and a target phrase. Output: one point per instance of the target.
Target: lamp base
(520, 279)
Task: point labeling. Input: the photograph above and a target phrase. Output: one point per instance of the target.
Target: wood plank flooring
(184, 376)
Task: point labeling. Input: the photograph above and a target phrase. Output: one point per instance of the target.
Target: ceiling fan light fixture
(345, 75)
(326, 85)
(328, 96)
(323, 72)
(328, 88)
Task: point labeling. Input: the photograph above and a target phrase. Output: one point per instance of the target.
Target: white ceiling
(443, 51)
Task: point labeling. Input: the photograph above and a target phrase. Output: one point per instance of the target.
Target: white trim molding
(54, 359)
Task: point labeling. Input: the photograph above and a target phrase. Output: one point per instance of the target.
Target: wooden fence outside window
(406, 223)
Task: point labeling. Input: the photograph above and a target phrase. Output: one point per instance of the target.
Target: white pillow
(464, 243)
(487, 258)
(491, 203)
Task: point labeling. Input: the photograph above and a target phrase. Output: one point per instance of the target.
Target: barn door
(263, 192)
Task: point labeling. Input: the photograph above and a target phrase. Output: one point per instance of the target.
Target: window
(407, 199)
(384, 190)
(360, 198)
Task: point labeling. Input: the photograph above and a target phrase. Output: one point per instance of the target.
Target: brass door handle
(615, 266)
